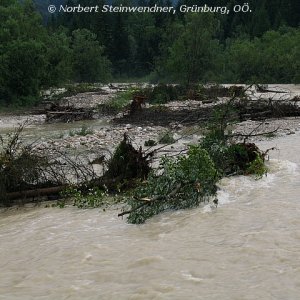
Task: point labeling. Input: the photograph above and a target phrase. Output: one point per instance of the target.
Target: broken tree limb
(127, 212)
(251, 134)
(35, 193)
(151, 200)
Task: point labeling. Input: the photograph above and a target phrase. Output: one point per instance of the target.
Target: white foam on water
(208, 208)
(188, 276)
(282, 166)
(223, 197)
(230, 188)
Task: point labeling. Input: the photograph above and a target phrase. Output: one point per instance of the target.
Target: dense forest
(40, 50)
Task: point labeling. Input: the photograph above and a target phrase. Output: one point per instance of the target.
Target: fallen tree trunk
(242, 110)
(35, 193)
(69, 115)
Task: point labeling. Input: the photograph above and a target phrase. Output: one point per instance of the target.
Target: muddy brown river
(248, 248)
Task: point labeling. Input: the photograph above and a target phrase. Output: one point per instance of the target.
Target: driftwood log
(35, 193)
(241, 110)
(69, 115)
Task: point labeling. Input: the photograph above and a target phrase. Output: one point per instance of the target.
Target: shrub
(166, 138)
(257, 167)
(118, 102)
(150, 143)
(83, 131)
(163, 93)
(90, 198)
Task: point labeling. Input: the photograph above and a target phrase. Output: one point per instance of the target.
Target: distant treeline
(261, 46)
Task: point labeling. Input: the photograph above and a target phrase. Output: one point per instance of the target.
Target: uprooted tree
(180, 182)
(188, 180)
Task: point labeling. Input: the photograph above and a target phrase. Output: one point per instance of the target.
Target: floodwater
(248, 248)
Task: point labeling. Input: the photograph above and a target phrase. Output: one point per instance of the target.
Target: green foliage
(61, 203)
(83, 131)
(190, 178)
(89, 62)
(166, 138)
(230, 157)
(150, 143)
(83, 87)
(273, 58)
(214, 91)
(163, 93)
(119, 102)
(22, 59)
(138, 44)
(92, 198)
(30, 57)
(58, 54)
(215, 144)
(233, 158)
(257, 167)
(191, 54)
(187, 48)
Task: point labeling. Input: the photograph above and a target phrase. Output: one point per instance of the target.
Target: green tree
(22, 51)
(24, 67)
(89, 63)
(242, 61)
(273, 58)
(59, 58)
(193, 53)
(261, 22)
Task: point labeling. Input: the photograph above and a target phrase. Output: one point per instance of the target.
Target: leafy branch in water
(257, 167)
(229, 156)
(188, 180)
(184, 182)
(92, 198)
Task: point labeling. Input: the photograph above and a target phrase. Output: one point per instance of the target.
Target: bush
(257, 167)
(93, 198)
(163, 93)
(166, 138)
(117, 103)
(234, 158)
(83, 131)
(150, 143)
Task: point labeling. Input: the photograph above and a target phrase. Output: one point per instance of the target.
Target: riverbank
(95, 139)
(242, 250)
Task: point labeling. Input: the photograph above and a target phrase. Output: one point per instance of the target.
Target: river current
(248, 248)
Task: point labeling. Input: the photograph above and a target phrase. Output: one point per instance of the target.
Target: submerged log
(69, 115)
(35, 193)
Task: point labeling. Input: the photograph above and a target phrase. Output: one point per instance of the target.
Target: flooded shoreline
(245, 249)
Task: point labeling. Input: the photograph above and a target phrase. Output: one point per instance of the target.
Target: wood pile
(66, 114)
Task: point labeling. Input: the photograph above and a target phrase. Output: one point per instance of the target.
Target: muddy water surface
(249, 248)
